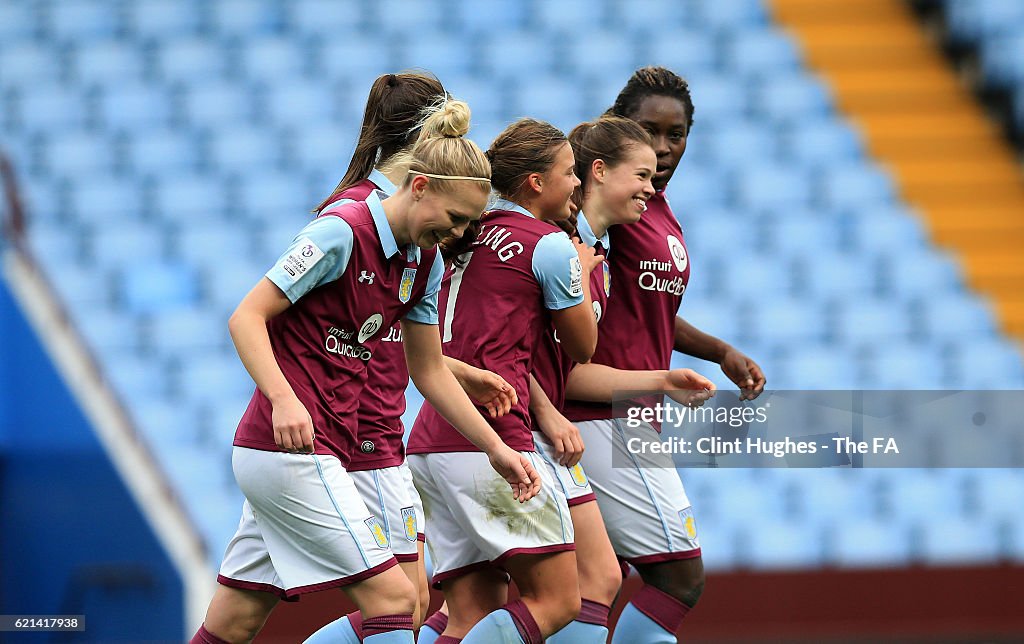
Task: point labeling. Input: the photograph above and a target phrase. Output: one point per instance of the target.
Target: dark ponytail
(394, 109)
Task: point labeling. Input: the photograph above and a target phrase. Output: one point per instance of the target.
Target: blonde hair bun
(450, 119)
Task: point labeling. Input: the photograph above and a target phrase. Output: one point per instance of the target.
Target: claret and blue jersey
(349, 282)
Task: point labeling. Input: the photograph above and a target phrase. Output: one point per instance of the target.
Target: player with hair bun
(396, 115)
(305, 333)
(520, 276)
(649, 518)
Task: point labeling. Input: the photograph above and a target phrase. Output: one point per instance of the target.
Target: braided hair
(652, 81)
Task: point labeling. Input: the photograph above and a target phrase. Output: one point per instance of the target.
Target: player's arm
(293, 427)
(737, 366)
(439, 387)
(317, 255)
(485, 387)
(571, 309)
(599, 383)
(564, 436)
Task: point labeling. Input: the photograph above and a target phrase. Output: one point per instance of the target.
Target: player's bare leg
(387, 593)
(412, 572)
(548, 585)
(600, 577)
(657, 610)
(236, 615)
(471, 597)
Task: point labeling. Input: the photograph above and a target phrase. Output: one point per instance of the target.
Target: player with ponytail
(306, 333)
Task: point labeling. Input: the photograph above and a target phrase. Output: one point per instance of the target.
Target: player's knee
(686, 588)
(601, 583)
(570, 606)
(398, 597)
(242, 629)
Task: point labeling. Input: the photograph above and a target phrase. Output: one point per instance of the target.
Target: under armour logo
(366, 277)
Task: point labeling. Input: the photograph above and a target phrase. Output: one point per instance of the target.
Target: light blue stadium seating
(162, 19)
(272, 58)
(49, 109)
(190, 60)
(170, 150)
(80, 20)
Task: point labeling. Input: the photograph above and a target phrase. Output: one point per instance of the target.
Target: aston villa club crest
(579, 477)
(409, 521)
(378, 532)
(607, 279)
(405, 288)
(689, 524)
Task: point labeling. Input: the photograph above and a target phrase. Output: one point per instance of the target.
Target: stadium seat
(759, 52)
(850, 185)
(326, 18)
(792, 97)
(475, 19)
(78, 155)
(864, 542)
(238, 149)
(107, 63)
(135, 107)
(181, 198)
(734, 14)
(105, 200)
(274, 197)
(218, 104)
(124, 245)
(245, 18)
(18, 21)
(600, 54)
(158, 287)
(359, 57)
(162, 19)
(440, 53)
(158, 151)
(821, 141)
(742, 140)
(770, 185)
(190, 60)
(77, 21)
(272, 59)
(26, 63)
(774, 543)
(404, 20)
(208, 378)
(49, 109)
(505, 54)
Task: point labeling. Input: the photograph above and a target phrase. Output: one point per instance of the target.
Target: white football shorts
(646, 511)
(573, 480)
(304, 526)
(390, 495)
(474, 521)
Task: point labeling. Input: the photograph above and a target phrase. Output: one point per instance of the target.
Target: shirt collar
(587, 233)
(387, 238)
(505, 204)
(382, 182)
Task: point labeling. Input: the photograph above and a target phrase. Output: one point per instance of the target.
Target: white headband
(448, 176)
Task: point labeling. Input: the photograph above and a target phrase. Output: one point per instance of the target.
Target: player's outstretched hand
(564, 437)
(589, 258)
(490, 390)
(745, 373)
(293, 427)
(687, 387)
(517, 470)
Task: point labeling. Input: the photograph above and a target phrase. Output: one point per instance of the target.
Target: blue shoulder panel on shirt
(425, 311)
(556, 264)
(319, 254)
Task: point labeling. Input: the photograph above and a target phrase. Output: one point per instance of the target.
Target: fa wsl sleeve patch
(575, 277)
(303, 257)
